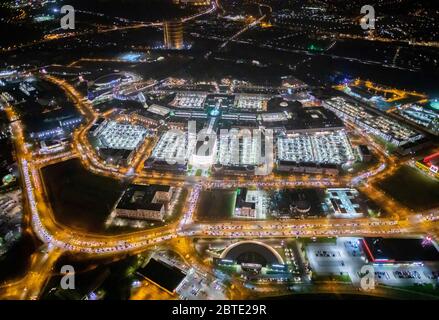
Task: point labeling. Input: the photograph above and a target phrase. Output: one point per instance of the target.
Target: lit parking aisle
(322, 147)
(117, 135)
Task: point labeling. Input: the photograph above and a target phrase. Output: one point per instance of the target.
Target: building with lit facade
(145, 202)
(173, 34)
(430, 165)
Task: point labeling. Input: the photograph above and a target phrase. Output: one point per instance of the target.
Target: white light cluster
(174, 146)
(254, 102)
(238, 150)
(322, 148)
(124, 136)
(189, 100)
(384, 127)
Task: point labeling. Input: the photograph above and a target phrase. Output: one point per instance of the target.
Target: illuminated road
(75, 240)
(40, 270)
(60, 238)
(52, 37)
(243, 30)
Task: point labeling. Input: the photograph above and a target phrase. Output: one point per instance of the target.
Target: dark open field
(412, 189)
(79, 198)
(216, 204)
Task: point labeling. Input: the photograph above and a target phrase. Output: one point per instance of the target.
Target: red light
(427, 160)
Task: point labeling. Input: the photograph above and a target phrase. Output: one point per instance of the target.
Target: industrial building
(404, 250)
(345, 203)
(149, 202)
(163, 275)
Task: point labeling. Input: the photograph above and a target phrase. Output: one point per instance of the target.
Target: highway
(58, 239)
(388, 164)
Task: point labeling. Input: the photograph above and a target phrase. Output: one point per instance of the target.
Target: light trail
(60, 238)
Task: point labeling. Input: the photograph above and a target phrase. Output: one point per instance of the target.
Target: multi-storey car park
(243, 145)
(237, 149)
(252, 102)
(117, 140)
(422, 115)
(116, 135)
(132, 232)
(320, 148)
(240, 130)
(381, 126)
(307, 139)
(189, 100)
(173, 147)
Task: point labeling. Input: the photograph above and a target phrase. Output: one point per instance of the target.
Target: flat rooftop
(400, 250)
(164, 275)
(141, 197)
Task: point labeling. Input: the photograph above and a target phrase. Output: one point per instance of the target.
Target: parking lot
(197, 287)
(322, 148)
(406, 275)
(344, 257)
